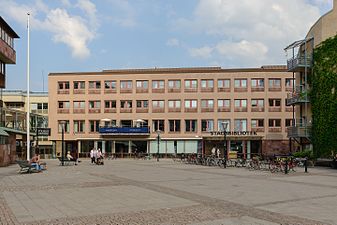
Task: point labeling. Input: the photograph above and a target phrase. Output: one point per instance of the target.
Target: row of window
(207, 104)
(6, 38)
(174, 85)
(176, 125)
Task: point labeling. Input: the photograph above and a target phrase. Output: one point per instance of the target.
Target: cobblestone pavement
(165, 192)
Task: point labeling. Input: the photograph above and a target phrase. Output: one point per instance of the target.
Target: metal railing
(298, 62)
(300, 95)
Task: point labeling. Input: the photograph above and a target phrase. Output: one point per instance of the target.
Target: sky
(94, 35)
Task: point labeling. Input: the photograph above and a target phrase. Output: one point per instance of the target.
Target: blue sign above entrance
(124, 130)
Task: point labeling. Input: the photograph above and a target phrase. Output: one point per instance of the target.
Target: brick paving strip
(206, 209)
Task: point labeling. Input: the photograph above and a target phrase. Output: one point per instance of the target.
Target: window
(207, 125)
(110, 104)
(240, 125)
(158, 84)
(189, 104)
(257, 103)
(240, 83)
(79, 104)
(191, 84)
(257, 83)
(142, 103)
(257, 123)
(289, 83)
(221, 122)
(289, 122)
(274, 83)
(224, 83)
(191, 125)
(94, 84)
(207, 83)
(174, 104)
(274, 123)
(158, 125)
(94, 104)
(126, 104)
(174, 125)
(207, 103)
(79, 85)
(240, 103)
(63, 85)
(126, 84)
(174, 84)
(65, 125)
(63, 105)
(142, 84)
(274, 102)
(110, 84)
(79, 126)
(94, 125)
(158, 104)
(224, 103)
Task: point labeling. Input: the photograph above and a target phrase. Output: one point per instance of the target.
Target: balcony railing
(298, 63)
(124, 130)
(300, 95)
(299, 131)
(7, 54)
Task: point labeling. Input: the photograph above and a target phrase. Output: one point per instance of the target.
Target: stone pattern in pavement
(148, 192)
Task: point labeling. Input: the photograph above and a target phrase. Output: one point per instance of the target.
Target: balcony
(78, 111)
(174, 90)
(63, 91)
(257, 89)
(158, 110)
(299, 131)
(257, 109)
(274, 109)
(126, 110)
(174, 109)
(63, 111)
(190, 90)
(258, 129)
(224, 89)
(126, 90)
(7, 54)
(299, 96)
(208, 109)
(79, 91)
(240, 109)
(124, 131)
(209, 89)
(142, 110)
(224, 109)
(240, 89)
(110, 110)
(142, 90)
(275, 129)
(299, 63)
(94, 110)
(94, 91)
(190, 110)
(158, 90)
(110, 91)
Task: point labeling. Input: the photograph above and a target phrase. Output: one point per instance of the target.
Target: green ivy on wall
(323, 98)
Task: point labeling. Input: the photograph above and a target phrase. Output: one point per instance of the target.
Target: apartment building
(300, 62)
(15, 105)
(171, 110)
(7, 56)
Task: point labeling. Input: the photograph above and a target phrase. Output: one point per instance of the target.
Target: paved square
(165, 192)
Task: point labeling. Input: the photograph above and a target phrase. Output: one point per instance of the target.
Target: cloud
(258, 29)
(203, 52)
(173, 42)
(75, 31)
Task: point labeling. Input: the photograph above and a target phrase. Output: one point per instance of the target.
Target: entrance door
(237, 146)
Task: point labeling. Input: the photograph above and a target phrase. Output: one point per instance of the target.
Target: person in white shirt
(213, 151)
(71, 158)
(218, 152)
(92, 156)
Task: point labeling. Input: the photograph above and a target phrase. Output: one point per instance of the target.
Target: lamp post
(158, 139)
(62, 153)
(225, 125)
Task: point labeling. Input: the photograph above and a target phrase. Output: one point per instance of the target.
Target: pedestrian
(92, 156)
(213, 151)
(218, 152)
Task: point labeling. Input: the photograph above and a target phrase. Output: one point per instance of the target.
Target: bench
(26, 167)
(66, 161)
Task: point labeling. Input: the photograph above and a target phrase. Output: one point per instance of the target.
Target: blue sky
(88, 35)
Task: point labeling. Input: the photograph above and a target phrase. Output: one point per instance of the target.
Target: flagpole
(28, 92)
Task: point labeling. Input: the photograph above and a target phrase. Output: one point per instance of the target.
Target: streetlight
(63, 123)
(224, 126)
(158, 139)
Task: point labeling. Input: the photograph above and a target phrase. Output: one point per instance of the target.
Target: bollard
(286, 167)
(305, 165)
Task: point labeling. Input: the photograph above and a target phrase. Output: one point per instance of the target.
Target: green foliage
(323, 98)
(304, 154)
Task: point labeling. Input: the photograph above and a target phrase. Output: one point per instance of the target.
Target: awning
(3, 132)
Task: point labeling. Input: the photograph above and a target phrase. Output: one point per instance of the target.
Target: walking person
(92, 156)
